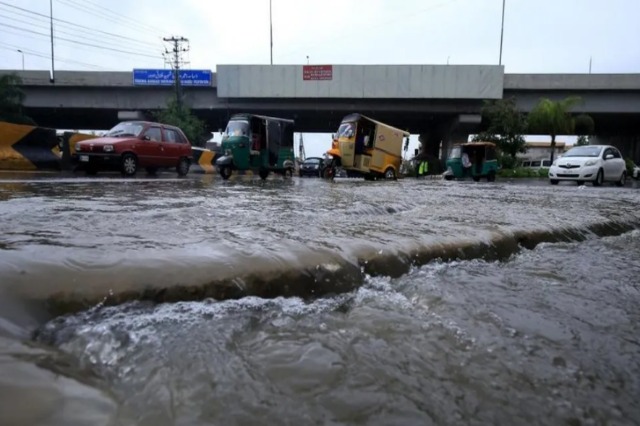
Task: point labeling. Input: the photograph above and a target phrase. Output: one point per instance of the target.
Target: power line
(83, 43)
(59, 31)
(74, 25)
(119, 15)
(75, 47)
(98, 12)
(45, 56)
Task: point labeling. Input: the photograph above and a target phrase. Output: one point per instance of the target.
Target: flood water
(388, 336)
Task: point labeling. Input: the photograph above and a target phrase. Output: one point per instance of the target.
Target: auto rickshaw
(258, 143)
(482, 157)
(366, 147)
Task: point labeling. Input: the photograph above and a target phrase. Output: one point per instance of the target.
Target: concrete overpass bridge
(441, 103)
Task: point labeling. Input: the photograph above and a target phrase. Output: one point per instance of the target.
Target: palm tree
(553, 118)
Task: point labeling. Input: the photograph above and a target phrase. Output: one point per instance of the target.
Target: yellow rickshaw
(366, 147)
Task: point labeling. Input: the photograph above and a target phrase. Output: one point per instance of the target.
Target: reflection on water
(545, 336)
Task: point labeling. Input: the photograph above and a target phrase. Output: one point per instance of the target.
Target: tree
(582, 140)
(11, 98)
(506, 128)
(182, 117)
(554, 118)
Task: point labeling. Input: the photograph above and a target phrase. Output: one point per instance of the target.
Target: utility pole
(301, 153)
(271, 32)
(53, 71)
(590, 58)
(177, 62)
(501, 32)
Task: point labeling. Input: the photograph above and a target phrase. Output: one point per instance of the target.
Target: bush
(524, 172)
(630, 165)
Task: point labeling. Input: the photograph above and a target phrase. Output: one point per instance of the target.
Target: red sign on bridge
(317, 72)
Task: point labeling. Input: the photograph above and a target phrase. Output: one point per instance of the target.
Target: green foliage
(584, 125)
(11, 98)
(630, 165)
(507, 161)
(182, 117)
(582, 140)
(554, 118)
(524, 172)
(507, 125)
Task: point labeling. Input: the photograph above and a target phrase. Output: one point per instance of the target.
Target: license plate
(84, 158)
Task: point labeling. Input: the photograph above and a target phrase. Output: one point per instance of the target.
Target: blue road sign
(163, 77)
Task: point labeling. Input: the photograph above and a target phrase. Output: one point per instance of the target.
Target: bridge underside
(314, 118)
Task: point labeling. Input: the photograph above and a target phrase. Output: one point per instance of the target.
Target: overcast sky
(540, 36)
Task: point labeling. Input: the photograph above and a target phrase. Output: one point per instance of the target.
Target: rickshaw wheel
(390, 174)
(263, 174)
(327, 173)
(225, 172)
(491, 177)
(476, 178)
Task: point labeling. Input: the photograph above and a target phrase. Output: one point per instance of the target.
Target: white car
(636, 171)
(589, 163)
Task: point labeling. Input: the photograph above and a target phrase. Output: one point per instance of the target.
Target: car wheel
(183, 167)
(553, 181)
(129, 164)
(152, 170)
(225, 172)
(263, 174)
(491, 177)
(390, 174)
(599, 178)
(623, 179)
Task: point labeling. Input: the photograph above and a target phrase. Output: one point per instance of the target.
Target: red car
(134, 144)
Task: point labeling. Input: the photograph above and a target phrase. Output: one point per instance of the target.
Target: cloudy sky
(540, 36)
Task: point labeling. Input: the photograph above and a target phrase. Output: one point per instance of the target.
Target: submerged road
(197, 301)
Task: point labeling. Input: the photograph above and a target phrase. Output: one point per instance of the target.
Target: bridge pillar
(436, 142)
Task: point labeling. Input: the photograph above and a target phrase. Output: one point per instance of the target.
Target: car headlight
(590, 163)
(107, 148)
(78, 147)
(315, 167)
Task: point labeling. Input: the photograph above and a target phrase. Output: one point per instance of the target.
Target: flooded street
(197, 301)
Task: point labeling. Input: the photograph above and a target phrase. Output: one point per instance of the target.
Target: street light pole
(271, 32)
(501, 32)
(53, 70)
(22, 53)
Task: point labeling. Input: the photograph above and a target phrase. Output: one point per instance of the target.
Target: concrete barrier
(203, 160)
(28, 148)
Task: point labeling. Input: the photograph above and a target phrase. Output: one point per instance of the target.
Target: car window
(607, 152)
(535, 164)
(546, 163)
(616, 153)
(172, 136)
(526, 163)
(154, 134)
(312, 161)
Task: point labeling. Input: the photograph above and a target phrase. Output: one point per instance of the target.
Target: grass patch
(524, 172)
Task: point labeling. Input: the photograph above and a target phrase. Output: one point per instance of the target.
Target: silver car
(590, 163)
